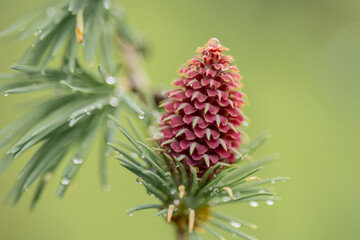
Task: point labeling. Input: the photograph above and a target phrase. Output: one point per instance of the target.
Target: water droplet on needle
(77, 161)
(235, 224)
(65, 181)
(110, 80)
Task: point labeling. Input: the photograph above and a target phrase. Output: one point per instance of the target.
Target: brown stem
(181, 234)
(138, 80)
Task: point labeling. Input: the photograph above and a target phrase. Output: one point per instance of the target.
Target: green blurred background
(300, 60)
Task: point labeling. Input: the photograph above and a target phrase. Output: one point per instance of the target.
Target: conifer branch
(82, 97)
(191, 157)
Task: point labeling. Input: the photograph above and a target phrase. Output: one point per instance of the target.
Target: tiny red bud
(204, 111)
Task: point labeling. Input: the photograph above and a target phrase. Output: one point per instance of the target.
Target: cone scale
(203, 112)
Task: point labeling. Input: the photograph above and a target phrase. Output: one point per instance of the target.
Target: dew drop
(134, 154)
(87, 112)
(51, 11)
(77, 161)
(110, 80)
(72, 122)
(65, 181)
(269, 202)
(176, 202)
(99, 106)
(150, 193)
(139, 180)
(226, 199)
(107, 188)
(26, 189)
(43, 72)
(107, 4)
(6, 94)
(253, 204)
(237, 195)
(114, 102)
(130, 214)
(273, 181)
(173, 191)
(141, 116)
(235, 224)
(38, 32)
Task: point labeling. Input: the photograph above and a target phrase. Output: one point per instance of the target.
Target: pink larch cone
(204, 111)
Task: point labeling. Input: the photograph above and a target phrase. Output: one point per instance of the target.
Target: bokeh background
(301, 61)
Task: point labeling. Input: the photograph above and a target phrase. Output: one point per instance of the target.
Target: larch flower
(194, 169)
(203, 113)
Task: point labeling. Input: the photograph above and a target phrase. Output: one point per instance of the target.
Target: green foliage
(72, 119)
(84, 108)
(56, 26)
(228, 184)
(68, 123)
